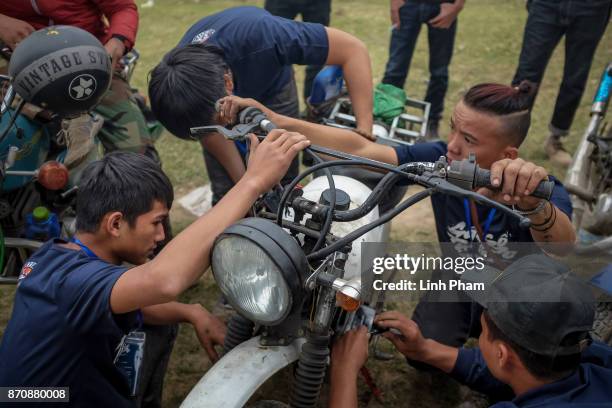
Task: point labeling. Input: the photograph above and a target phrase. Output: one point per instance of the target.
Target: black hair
(511, 104)
(543, 367)
(121, 181)
(185, 85)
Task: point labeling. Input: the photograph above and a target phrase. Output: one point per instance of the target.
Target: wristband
(533, 211)
(547, 227)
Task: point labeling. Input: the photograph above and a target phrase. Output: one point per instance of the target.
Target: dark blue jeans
(312, 11)
(413, 14)
(583, 23)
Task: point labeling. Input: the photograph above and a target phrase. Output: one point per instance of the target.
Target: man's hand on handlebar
(518, 179)
(270, 159)
(230, 106)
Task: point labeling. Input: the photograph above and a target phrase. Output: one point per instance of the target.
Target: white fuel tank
(358, 192)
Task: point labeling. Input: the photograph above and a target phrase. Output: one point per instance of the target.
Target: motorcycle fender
(235, 377)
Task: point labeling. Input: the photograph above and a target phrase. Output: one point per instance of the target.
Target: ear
(510, 152)
(113, 223)
(503, 355)
(229, 82)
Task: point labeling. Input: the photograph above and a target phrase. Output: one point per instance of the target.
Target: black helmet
(64, 69)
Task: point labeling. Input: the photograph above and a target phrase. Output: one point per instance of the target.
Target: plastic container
(42, 225)
(326, 85)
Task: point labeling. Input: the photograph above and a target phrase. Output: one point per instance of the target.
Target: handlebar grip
(267, 126)
(544, 190)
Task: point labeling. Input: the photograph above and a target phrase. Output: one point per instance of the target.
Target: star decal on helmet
(82, 87)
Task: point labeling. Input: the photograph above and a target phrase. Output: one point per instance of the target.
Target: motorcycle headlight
(260, 269)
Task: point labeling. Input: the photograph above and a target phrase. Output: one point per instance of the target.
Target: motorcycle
(589, 181)
(287, 275)
(37, 191)
(33, 193)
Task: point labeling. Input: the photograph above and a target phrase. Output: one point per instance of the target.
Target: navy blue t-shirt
(62, 332)
(449, 211)
(260, 48)
(589, 386)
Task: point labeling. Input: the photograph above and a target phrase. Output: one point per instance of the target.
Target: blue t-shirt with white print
(62, 332)
(449, 211)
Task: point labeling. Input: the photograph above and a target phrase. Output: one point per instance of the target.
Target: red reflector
(53, 175)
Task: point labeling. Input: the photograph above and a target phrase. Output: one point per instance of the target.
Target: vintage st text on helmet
(63, 69)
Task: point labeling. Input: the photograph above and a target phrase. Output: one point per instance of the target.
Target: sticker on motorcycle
(82, 87)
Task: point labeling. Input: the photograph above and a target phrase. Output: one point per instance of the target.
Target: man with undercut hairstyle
(491, 121)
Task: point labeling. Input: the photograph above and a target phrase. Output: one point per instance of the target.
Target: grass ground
(486, 50)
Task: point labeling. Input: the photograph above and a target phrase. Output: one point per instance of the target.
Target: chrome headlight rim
(283, 251)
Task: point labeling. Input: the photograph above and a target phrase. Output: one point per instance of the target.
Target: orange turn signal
(346, 302)
(53, 175)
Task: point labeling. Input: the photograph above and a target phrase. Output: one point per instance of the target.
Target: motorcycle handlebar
(482, 178)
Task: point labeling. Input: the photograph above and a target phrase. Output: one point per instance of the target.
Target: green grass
(486, 50)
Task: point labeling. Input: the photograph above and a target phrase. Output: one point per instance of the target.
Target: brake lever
(441, 185)
(238, 132)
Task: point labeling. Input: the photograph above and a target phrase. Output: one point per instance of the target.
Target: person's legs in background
(543, 31)
(441, 44)
(403, 42)
(314, 11)
(587, 24)
(125, 127)
(220, 180)
(283, 8)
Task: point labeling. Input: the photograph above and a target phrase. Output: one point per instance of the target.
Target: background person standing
(583, 23)
(312, 11)
(407, 16)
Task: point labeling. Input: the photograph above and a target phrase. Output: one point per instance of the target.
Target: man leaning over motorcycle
(77, 300)
(490, 120)
(248, 52)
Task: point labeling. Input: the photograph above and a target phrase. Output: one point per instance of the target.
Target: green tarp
(389, 102)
